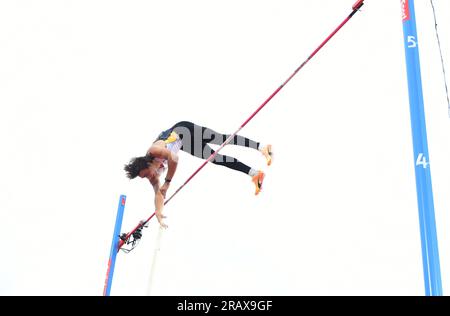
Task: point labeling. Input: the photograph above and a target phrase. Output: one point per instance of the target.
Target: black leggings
(196, 138)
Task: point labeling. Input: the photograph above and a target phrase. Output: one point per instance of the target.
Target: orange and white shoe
(267, 152)
(258, 181)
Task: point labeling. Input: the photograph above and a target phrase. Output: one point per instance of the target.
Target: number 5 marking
(412, 42)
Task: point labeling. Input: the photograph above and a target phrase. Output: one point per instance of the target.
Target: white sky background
(86, 85)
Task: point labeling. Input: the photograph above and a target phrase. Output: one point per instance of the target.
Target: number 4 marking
(422, 160)
(412, 41)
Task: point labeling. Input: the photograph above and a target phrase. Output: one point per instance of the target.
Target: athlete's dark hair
(137, 164)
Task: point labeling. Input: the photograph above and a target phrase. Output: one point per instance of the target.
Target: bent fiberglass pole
(358, 4)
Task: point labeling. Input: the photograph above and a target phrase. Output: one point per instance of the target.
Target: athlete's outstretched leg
(227, 161)
(212, 137)
(200, 136)
(195, 141)
(232, 163)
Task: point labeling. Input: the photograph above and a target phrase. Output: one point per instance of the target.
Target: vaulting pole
(358, 4)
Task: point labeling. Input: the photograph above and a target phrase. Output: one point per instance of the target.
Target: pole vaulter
(137, 230)
(355, 9)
